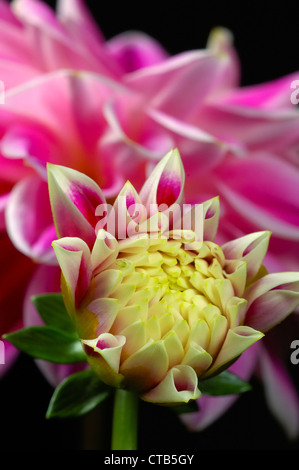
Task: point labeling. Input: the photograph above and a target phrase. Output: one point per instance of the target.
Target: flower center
(175, 291)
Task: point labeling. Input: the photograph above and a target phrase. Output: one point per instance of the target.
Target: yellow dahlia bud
(157, 304)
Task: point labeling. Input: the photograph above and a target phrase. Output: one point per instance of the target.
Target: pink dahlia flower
(112, 109)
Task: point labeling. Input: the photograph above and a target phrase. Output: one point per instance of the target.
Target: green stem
(125, 420)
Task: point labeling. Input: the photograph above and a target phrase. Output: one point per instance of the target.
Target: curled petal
(104, 251)
(271, 299)
(103, 355)
(73, 256)
(179, 386)
(251, 248)
(211, 212)
(236, 342)
(74, 198)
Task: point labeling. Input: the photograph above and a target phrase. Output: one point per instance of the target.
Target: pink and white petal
(135, 50)
(12, 43)
(104, 361)
(274, 94)
(178, 386)
(29, 220)
(32, 143)
(261, 191)
(53, 46)
(271, 299)
(81, 28)
(109, 347)
(200, 149)
(249, 128)
(165, 185)
(74, 199)
(281, 395)
(212, 408)
(7, 16)
(15, 72)
(73, 256)
(180, 84)
(251, 248)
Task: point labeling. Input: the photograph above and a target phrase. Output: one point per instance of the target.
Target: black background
(267, 40)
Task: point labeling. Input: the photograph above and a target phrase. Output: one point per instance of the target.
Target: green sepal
(48, 343)
(77, 395)
(52, 310)
(225, 383)
(190, 407)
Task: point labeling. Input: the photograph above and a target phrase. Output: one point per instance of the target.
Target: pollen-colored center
(176, 291)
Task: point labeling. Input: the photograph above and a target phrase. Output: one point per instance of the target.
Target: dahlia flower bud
(158, 305)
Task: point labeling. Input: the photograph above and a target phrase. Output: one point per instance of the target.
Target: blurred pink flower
(112, 109)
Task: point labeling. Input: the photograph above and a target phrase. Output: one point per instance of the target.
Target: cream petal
(251, 248)
(236, 342)
(179, 386)
(147, 367)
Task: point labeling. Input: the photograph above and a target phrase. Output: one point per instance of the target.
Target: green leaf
(53, 312)
(225, 383)
(48, 343)
(77, 395)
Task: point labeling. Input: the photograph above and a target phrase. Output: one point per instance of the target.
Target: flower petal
(236, 342)
(29, 220)
(135, 50)
(179, 386)
(73, 256)
(280, 394)
(103, 355)
(211, 212)
(146, 367)
(251, 248)
(165, 184)
(212, 408)
(74, 198)
(271, 299)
